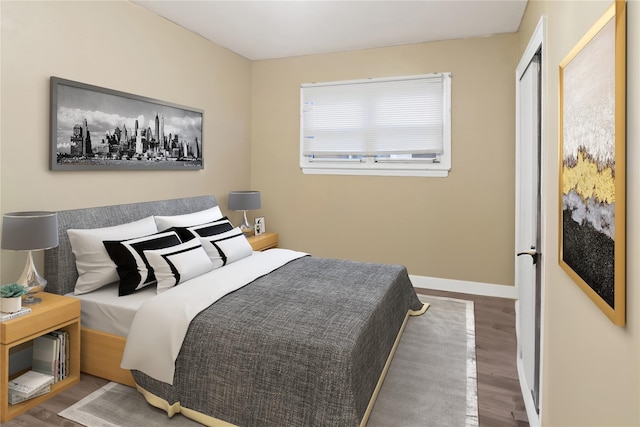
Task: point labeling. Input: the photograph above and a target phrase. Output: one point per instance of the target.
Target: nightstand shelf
(264, 241)
(55, 312)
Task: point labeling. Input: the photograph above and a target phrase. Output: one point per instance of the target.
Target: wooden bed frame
(100, 355)
(101, 352)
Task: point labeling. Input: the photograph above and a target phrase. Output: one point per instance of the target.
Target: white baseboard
(473, 288)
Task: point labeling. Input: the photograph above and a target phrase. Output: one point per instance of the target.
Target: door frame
(536, 43)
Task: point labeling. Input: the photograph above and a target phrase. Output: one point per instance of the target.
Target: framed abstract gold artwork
(592, 163)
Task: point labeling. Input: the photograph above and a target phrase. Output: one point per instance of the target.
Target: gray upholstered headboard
(60, 264)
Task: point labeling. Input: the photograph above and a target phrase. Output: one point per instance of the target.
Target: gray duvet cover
(304, 345)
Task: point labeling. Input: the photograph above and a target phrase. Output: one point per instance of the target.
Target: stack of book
(29, 385)
(51, 354)
(8, 316)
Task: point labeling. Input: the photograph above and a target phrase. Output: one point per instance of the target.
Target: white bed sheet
(161, 323)
(103, 310)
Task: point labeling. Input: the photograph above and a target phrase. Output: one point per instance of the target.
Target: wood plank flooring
(500, 401)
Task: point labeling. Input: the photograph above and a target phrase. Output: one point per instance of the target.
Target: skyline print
(98, 128)
(105, 112)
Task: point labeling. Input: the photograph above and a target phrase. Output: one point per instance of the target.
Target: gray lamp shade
(244, 200)
(29, 231)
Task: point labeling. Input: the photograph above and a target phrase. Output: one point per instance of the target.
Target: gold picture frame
(592, 87)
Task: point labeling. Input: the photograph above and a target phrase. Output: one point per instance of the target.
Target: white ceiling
(276, 29)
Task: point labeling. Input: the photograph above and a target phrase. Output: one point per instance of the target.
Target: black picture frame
(94, 128)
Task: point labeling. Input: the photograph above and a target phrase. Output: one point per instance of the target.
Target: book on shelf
(63, 352)
(45, 355)
(67, 355)
(29, 383)
(15, 399)
(8, 316)
(51, 354)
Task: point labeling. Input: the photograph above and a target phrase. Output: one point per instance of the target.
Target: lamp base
(32, 280)
(246, 229)
(31, 300)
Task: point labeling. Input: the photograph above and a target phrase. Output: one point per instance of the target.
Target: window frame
(373, 165)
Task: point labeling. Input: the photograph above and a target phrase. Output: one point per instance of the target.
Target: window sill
(376, 172)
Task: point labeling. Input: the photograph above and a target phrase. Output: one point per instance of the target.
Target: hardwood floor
(500, 401)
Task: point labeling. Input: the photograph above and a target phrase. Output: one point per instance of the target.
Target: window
(390, 126)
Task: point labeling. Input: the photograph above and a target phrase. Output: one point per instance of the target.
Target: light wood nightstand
(264, 241)
(54, 312)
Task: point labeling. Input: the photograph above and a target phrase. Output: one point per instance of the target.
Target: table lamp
(244, 201)
(30, 231)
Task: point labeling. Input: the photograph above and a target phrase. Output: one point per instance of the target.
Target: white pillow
(187, 220)
(226, 247)
(178, 264)
(95, 267)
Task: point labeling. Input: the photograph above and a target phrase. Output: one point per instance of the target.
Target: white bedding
(103, 310)
(160, 325)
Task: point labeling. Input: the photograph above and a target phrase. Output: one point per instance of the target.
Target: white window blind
(376, 122)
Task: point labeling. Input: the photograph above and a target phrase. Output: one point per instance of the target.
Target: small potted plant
(11, 297)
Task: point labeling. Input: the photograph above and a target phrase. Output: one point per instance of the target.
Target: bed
(306, 341)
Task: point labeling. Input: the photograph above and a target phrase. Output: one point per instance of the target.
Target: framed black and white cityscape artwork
(94, 128)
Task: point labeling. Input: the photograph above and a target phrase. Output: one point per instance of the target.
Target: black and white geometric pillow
(179, 263)
(226, 247)
(132, 266)
(212, 228)
(208, 229)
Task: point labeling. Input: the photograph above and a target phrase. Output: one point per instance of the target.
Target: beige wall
(590, 367)
(117, 45)
(460, 227)
(591, 374)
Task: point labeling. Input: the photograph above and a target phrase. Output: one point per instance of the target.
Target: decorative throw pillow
(179, 263)
(226, 247)
(188, 220)
(208, 229)
(132, 266)
(211, 228)
(95, 268)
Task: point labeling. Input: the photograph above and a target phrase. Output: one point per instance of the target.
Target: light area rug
(431, 382)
